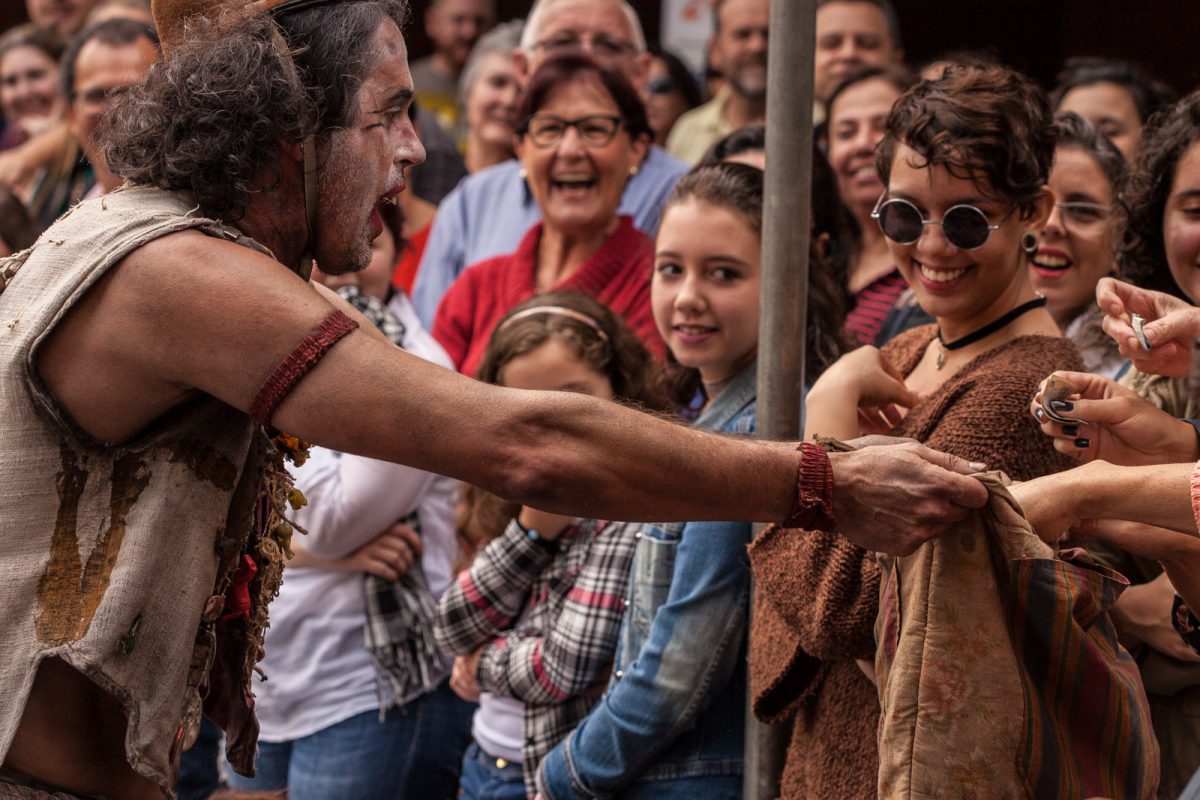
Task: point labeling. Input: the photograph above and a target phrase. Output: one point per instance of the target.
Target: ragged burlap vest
(116, 558)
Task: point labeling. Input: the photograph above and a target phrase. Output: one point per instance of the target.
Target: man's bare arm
(189, 313)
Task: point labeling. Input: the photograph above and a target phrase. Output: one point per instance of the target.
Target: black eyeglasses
(547, 130)
(965, 226)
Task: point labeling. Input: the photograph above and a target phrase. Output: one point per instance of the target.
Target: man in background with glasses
(489, 212)
(103, 60)
(739, 50)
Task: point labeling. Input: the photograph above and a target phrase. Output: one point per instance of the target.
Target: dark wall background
(1036, 35)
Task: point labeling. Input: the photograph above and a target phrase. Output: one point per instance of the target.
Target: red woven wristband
(813, 509)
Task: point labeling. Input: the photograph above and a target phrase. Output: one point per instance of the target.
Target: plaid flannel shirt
(573, 600)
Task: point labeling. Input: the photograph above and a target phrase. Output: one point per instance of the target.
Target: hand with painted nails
(860, 394)
(1171, 326)
(1113, 424)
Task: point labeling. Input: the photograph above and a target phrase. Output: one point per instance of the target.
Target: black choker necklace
(986, 330)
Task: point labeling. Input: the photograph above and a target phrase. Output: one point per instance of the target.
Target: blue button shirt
(488, 212)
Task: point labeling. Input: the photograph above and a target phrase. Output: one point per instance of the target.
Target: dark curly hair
(209, 119)
(738, 188)
(613, 351)
(1168, 135)
(984, 123)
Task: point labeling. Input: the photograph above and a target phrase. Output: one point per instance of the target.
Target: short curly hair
(984, 123)
(1168, 135)
(208, 120)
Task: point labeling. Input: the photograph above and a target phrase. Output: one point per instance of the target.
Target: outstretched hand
(1114, 424)
(1171, 328)
(893, 498)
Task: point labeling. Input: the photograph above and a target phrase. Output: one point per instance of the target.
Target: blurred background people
(1115, 96)
(488, 93)
(137, 10)
(66, 17)
(852, 34)
(104, 60)
(739, 48)
(453, 26)
(31, 97)
(671, 90)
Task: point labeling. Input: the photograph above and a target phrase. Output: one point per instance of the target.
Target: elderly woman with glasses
(1076, 246)
(582, 136)
(964, 163)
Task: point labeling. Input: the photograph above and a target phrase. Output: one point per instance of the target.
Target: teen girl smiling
(672, 722)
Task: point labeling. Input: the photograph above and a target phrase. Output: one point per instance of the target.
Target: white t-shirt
(318, 669)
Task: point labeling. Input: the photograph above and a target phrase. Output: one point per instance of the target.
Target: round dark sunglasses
(965, 226)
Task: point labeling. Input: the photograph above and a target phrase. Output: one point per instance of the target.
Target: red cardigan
(618, 275)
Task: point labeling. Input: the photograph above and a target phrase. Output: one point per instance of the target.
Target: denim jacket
(672, 721)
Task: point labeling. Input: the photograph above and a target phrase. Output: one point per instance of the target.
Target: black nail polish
(1061, 405)
(1040, 413)
(1070, 430)
(1083, 444)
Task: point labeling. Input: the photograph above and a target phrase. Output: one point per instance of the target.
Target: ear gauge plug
(1029, 242)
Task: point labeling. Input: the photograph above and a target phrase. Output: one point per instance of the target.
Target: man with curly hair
(157, 341)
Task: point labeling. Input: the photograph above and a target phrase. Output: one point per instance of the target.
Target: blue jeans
(483, 779)
(416, 751)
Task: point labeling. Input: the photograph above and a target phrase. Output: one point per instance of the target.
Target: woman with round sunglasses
(1077, 245)
(964, 161)
(582, 135)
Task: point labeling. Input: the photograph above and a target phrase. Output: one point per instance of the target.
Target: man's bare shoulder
(185, 312)
(192, 260)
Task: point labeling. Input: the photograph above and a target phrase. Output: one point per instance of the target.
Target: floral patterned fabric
(999, 671)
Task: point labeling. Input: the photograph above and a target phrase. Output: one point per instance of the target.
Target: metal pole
(784, 304)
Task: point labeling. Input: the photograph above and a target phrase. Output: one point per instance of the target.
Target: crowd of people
(1002, 272)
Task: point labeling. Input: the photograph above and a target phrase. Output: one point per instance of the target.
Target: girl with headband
(534, 620)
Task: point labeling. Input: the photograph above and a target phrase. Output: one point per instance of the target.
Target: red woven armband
(813, 508)
(298, 364)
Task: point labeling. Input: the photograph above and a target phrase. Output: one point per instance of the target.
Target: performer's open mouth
(389, 198)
